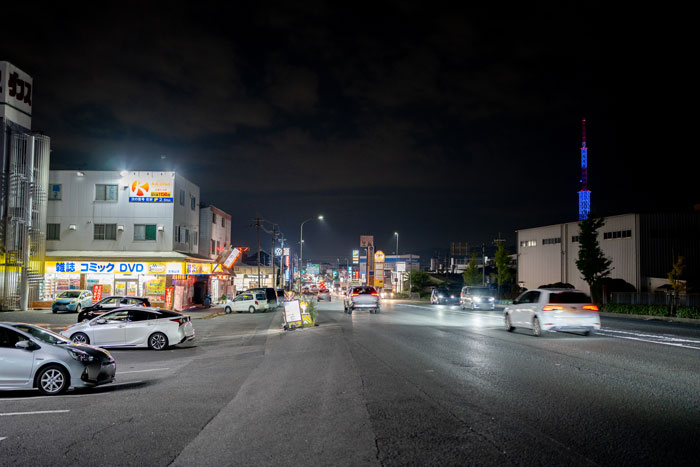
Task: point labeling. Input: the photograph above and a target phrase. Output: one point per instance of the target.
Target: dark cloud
(446, 123)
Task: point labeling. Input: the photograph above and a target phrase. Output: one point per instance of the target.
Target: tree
(591, 262)
(471, 275)
(678, 285)
(503, 271)
(419, 280)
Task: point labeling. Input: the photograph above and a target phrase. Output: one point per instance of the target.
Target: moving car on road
(109, 304)
(362, 297)
(553, 310)
(34, 357)
(134, 327)
(72, 300)
(324, 294)
(444, 296)
(477, 297)
(386, 293)
(248, 301)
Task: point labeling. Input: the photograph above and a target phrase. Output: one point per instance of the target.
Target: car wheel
(52, 380)
(376, 310)
(536, 329)
(251, 309)
(589, 333)
(509, 326)
(54, 311)
(227, 310)
(158, 341)
(77, 308)
(80, 338)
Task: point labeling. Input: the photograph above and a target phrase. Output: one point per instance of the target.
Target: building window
(223, 221)
(54, 191)
(574, 239)
(193, 202)
(182, 197)
(195, 237)
(213, 247)
(187, 236)
(213, 218)
(53, 231)
(617, 234)
(551, 241)
(144, 232)
(527, 243)
(105, 232)
(105, 192)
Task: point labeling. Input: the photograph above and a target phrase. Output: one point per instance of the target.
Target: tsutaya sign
(110, 267)
(15, 95)
(150, 187)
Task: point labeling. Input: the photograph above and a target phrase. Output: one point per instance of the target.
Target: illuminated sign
(233, 257)
(198, 268)
(355, 256)
(150, 187)
(15, 95)
(313, 268)
(109, 267)
(379, 257)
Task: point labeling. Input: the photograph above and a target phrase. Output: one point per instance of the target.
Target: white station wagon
(248, 301)
(553, 310)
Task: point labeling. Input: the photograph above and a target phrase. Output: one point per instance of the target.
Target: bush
(688, 312)
(651, 310)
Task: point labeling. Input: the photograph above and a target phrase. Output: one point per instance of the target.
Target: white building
(133, 233)
(642, 247)
(214, 231)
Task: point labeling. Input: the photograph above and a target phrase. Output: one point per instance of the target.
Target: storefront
(132, 278)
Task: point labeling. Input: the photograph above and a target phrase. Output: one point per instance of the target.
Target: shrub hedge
(651, 310)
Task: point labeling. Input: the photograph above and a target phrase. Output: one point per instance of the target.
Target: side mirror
(101, 321)
(515, 302)
(26, 345)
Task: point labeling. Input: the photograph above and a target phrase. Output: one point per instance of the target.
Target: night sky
(443, 124)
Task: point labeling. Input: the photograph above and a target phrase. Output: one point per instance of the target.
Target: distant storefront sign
(15, 95)
(150, 187)
(233, 257)
(125, 267)
(355, 256)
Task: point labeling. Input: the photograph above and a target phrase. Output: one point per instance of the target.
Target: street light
(397, 244)
(301, 246)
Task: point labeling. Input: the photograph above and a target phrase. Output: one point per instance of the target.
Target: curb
(668, 319)
(213, 315)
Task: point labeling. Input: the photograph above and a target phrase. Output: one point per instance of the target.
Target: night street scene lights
(301, 246)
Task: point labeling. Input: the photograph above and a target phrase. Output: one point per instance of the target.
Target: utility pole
(498, 241)
(282, 240)
(258, 222)
(483, 265)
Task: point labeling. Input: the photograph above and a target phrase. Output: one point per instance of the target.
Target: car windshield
(480, 291)
(442, 291)
(70, 294)
(42, 334)
(569, 297)
(364, 290)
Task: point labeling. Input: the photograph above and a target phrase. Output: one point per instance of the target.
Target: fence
(663, 299)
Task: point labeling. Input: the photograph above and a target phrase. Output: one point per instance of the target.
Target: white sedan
(133, 327)
(553, 310)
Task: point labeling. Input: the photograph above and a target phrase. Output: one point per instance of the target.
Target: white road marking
(142, 371)
(672, 341)
(2, 439)
(41, 412)
(497, 314)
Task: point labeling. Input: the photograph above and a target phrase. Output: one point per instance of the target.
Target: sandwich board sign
(292, 313)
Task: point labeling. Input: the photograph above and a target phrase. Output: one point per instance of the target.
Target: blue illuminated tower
(584, 194)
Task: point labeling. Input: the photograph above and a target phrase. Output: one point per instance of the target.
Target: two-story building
(132, 233)
(214, 238)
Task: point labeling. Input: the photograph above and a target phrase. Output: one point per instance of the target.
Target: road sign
(278, 251)
(366, 240)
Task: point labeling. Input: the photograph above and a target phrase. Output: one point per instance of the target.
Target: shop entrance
(128, 287)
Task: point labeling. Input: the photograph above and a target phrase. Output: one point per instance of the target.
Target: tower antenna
(584, 194)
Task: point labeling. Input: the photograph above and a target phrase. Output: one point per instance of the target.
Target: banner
(96, 293)
(155, 286)
(169, 297)
(150, 187)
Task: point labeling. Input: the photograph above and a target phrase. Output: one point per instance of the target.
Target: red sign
(96, 293)
(169, 297)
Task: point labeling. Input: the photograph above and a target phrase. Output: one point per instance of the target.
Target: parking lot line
(143, 371)
(40, 412)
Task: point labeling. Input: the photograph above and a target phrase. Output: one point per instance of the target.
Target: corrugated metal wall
(667, 236)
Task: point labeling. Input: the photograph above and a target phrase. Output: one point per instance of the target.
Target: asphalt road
(414, 385)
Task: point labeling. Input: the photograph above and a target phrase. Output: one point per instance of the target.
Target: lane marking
(40, 412)
(142, 371)
(2, 439)
(462, 312)
(651, 338)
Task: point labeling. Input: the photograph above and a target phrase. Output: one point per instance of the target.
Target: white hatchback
(133, 327)
(247, 301)
(553, 310)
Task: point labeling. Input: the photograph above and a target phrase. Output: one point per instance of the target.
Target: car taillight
(375, 294)
(179, 321)
(256, 302)
(354, 294)
(590, 307)
(552, 307)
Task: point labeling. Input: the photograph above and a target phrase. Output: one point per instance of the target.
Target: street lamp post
(397, 244)
(301, 246)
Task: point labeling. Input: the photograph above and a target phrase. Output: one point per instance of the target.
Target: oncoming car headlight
(477, 299)
(80, 355)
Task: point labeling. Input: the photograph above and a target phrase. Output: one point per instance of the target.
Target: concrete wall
(219, 231)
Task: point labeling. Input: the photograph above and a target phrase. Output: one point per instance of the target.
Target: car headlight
(477, 299)
(490, 299)
(80, 355)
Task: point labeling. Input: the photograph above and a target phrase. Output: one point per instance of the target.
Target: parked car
(34, 357)
(477, 297)
(134, 327)
(324, 294)
(441, 295)
(109, 304)
(553, 310)
(248, 301)
(72, 300)
(362, 297)
(270, 294)
(280, 296)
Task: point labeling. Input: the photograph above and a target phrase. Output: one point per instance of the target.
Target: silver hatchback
(362, 297)
(34, 357)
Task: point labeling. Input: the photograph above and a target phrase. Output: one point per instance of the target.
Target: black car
(445, 296)
(111, 303)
